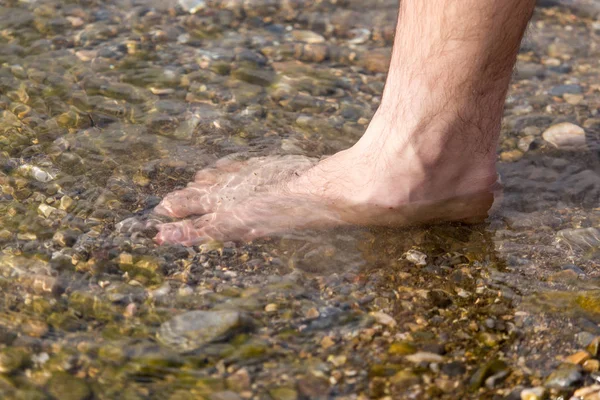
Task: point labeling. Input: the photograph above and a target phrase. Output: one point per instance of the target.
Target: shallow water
(107, 106)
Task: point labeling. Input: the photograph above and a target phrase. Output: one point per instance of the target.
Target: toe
(182, 232)
(194, 200)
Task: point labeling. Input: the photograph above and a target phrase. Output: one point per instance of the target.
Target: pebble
(65, 386)
(578, 358)
(424, 357)
(565, 376)
(573, 99)
(416, 257)
(271, 307)
(192, 330)
(46, 210)
(192, 6)
(536, 393)
(591, 366)
(581, 238)
(588, 393)
(565, 136)
(383, 318)
(307, 37)
(560, 90)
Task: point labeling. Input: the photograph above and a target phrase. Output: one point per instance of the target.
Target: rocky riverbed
(108, 105)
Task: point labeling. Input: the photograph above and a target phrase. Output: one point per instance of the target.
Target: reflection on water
(108, 106)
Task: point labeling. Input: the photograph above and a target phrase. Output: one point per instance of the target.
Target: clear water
(107, 106)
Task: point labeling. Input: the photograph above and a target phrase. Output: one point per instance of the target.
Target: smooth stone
(383, 318)
(192, 330)
(563, 89)
(424, 357)
(564, 376)
(192, 6)
(65, 386)
(307, 37)
(578, 358)
(582, 238)
(565, 136)
(536, 393)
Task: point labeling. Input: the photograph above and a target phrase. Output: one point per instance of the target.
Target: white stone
(383, 318)
(307, 37)
(424, 356)
(192, 6)
(565, 136)
(536, 393)
(416, 257)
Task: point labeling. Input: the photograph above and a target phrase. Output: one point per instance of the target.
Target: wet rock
(583, 238)
(565, 136)
(424, 357)
(591, 366)
(65, 386)
(377, 60)
(260, 77)
(307, 37)
(13, 359)
(224, 396)
(537, 393)
(416, 257)
(578, 358)
(283, 393)
(192, 6)
(487, 370)
(383, 319)
(563, 89)
(565, 376)
(194, 329)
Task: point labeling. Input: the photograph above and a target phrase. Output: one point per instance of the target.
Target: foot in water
(368, 184)
(428, 154)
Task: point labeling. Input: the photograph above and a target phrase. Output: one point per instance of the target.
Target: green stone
(65, 386)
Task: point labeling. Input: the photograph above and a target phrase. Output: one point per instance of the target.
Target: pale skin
(428, 154)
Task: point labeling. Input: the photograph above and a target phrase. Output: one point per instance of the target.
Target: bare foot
(372, 183)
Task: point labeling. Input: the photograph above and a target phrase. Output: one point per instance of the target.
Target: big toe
(193, 200)
(183, 232)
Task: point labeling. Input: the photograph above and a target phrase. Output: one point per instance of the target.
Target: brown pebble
(327, 342)
(591, 365)
(578, 358)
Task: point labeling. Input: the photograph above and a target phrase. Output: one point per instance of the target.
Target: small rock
(573, 99)
(591, 366)
(66, 203)
(65, 386)
(593, 346)
(46, 210)
(239, 381)
(585, 392)
(194, 329)
(562, 89)
(327, 342)
(565, 376)
(377, 60)
(383, 318)
(583, 238)
(307, 37)
(536, 393)
(192, 6)
(283, 393)
(565, 136)
(425, 357)
(313, 313)
(416, 257)
(578, 358)
(271, 307)
(525, 143)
